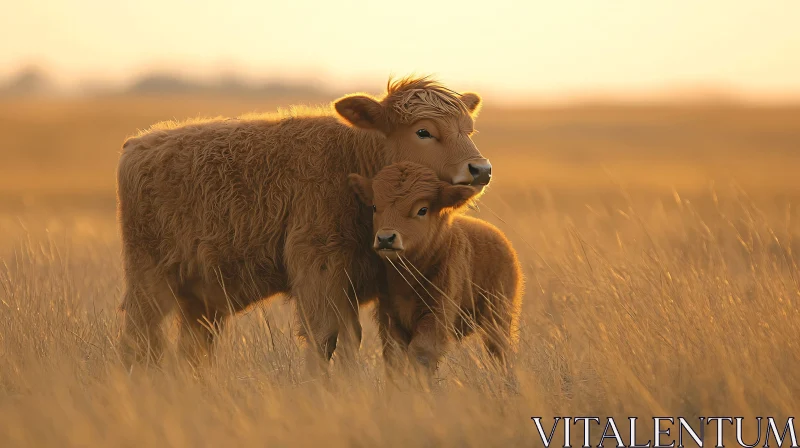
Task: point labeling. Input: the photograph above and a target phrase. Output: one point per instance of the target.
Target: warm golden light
(541, 48)
(640, 157)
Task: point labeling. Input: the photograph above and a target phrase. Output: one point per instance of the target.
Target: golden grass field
(660, 246)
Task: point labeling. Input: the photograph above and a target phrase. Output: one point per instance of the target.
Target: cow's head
(411, 206)
(425, 123)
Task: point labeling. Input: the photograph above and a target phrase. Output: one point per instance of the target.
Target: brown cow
(447, 274)
(216, 215)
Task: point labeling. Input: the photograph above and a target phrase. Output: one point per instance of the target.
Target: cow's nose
(481, 173)
(386, 240)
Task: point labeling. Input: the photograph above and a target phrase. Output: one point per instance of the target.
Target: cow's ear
(455, 196)
(363, 112)
(362, 187)
(473, 102)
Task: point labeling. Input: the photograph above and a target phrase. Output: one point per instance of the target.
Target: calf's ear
(473, 102)
(363, 112)
(362, 187)
(456, 196)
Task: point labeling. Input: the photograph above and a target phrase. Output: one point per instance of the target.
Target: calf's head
(425, 123)
(411, 207)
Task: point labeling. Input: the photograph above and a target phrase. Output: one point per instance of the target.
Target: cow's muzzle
(481, 172)
(474, 172)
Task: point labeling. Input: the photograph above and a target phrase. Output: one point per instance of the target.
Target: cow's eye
(422, 211)
(423, 133)
(374, 209)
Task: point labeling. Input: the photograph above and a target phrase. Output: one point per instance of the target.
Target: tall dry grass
(650, 291)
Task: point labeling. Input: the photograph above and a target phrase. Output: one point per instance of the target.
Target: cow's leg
(200, 325)
(327, 311)
(328, 322)
(146, 301)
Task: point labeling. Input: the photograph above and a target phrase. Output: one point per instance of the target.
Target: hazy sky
(513, 47)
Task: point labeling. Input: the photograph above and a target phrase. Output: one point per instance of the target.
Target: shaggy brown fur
(218, 214)
(447, 274)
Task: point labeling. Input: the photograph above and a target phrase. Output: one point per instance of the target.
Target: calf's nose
(385, 240)
(481, 172)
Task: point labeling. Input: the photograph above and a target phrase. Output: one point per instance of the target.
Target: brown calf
(447, 274)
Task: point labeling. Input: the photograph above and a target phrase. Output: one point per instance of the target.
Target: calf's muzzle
(387, 240)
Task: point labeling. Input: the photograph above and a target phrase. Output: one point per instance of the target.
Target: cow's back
(223, 195)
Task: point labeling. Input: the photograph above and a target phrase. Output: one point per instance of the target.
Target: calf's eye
(422, 211)
(423, 133)
(374, 209)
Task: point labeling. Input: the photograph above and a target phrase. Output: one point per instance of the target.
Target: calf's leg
(394, 338)
(429, 342)
(496, 321)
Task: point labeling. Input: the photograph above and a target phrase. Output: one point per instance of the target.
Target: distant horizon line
(231, 83)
